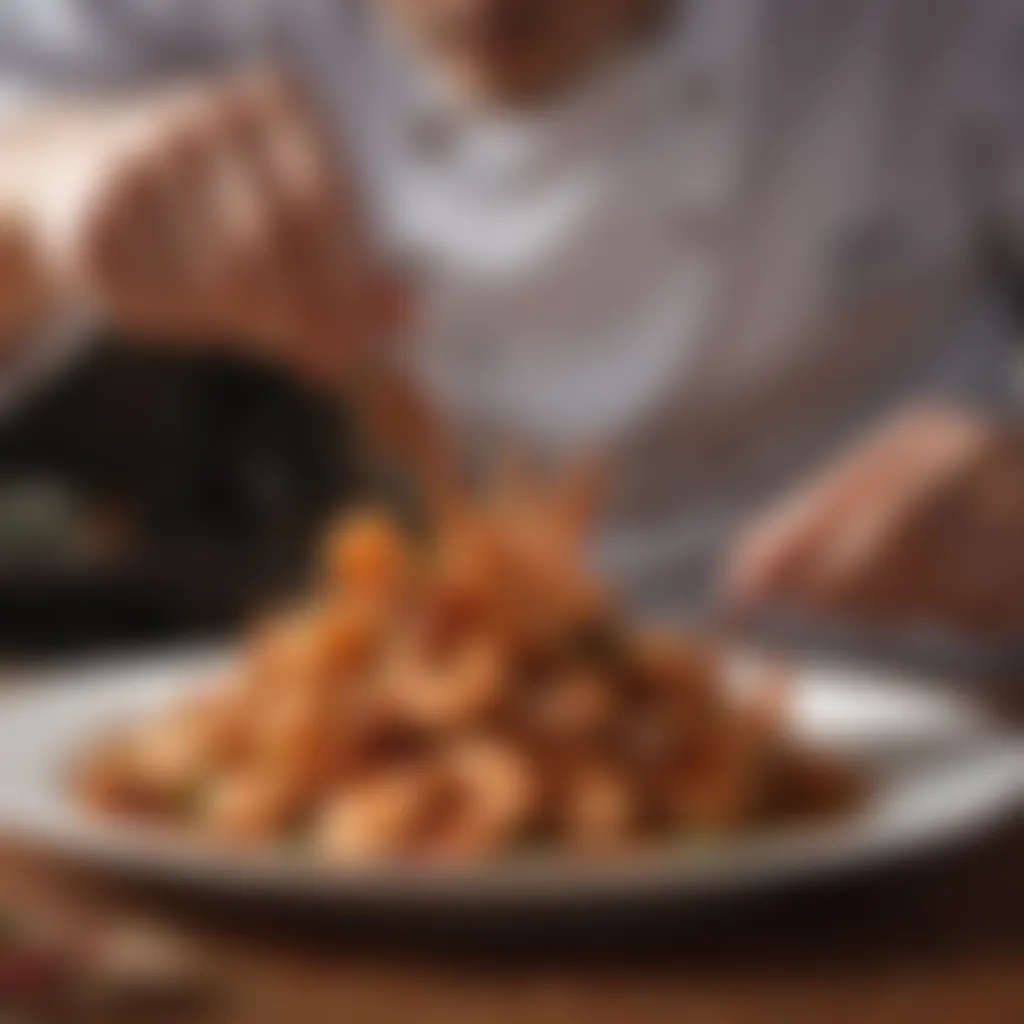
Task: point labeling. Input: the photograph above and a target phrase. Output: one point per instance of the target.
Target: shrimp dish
(465, 691)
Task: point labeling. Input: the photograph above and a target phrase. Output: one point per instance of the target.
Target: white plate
(940, 772)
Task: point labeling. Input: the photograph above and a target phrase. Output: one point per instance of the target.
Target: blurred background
(148, 497)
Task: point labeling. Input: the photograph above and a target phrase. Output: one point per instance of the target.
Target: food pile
(462, 692)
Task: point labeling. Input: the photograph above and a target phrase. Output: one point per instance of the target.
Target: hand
(924, 521)
(212, 210)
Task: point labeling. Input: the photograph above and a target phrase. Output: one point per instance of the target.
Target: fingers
(868, 561)
(919, 523)
(983, 552)
(221, 212)
(312, 249)
(773, 556)
(149, 243)
(277, 168)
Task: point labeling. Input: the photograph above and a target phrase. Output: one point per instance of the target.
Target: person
(717, 240)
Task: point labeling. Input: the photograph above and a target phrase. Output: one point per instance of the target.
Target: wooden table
(937, 940)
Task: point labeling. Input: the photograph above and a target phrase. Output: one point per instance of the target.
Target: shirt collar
(700, 55)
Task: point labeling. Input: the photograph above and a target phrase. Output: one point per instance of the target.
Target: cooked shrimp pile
(463, 694)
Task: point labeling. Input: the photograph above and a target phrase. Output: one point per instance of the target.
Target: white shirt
(715, 260)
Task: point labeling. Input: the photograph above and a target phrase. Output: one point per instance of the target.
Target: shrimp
(315, 649)
(679, 679)
(367, 552)
(726, 775)
(491, 797)
(348, 631)
(281, 654)
(462, 688)
(376, 818)
(598, 810)
(166, 757)
(249, 806)
(292, 732)
(576, 705)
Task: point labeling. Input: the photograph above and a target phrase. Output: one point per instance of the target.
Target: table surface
(940, 939)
